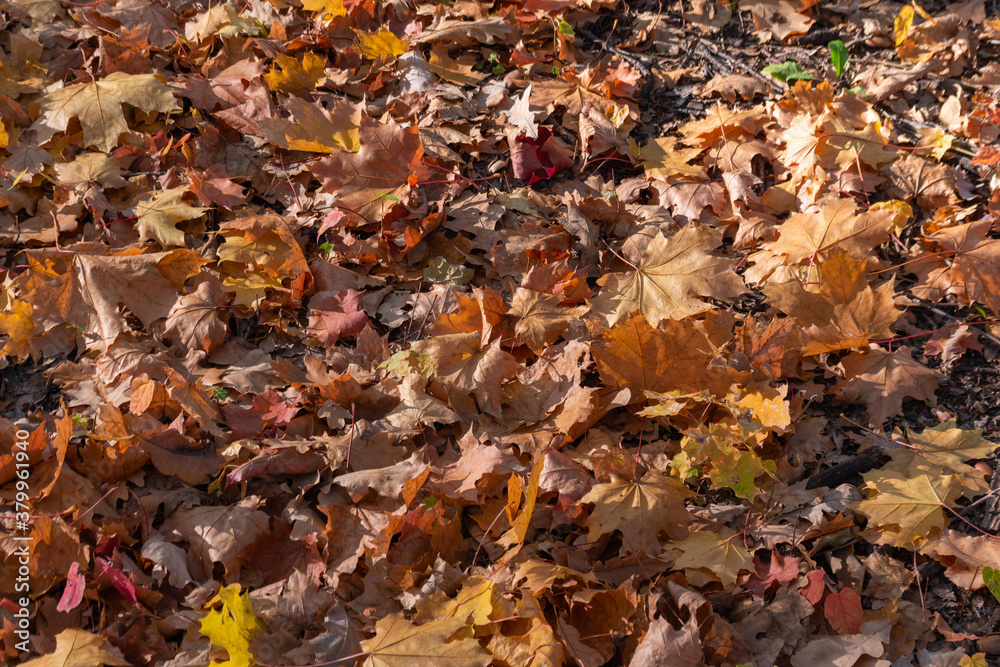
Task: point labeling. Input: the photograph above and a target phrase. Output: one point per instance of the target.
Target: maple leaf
(880, 379)
(705, 550)
(314, 128)
(641, 510)
(77, 648)
(19, 326)
(941, 448)
(733, 467)
(972, 273)
(463, 361)
(541, 318)
(217, 534)
(291, 75)
(676, 357)
(661, 158)
(335, 315)
(811, 236)
(966, 556)
(843, 611)
(383, 44)
(158, 212)
(370, 182)
(233, 627)
(844, 313)
(328, 9)
(909, 511)
(672, 273)
(399, 643)
(98, 107)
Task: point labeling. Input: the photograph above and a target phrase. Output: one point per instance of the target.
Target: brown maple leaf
(673, 273)
(845, 312)
(881, 378)
(370, 182)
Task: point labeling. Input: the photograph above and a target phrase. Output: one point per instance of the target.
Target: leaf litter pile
(534, 333)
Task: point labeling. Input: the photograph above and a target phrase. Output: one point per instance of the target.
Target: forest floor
(553, 332)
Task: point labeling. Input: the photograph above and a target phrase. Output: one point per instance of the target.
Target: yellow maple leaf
(314, 128)
(98, 107)
(328, 9)
(907, 511)
(158, 213)
(252, 288)
(4, 137)
(723, 557)
(399, 643)
(19, 326)
(662, 158)
(233, 627)
(291, 75)
(78, 648)
(383, 44)
(673, 273)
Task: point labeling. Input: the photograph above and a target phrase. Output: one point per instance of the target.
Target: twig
(937, 311)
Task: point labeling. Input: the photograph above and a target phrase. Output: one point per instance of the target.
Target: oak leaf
(881, 379)
(673, 273)
(399, 643)
(641, 510)
(78, 648)
(98, 107)
(908, 511)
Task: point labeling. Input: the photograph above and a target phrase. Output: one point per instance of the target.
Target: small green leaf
(566, 28)
(326, 247)
(389, 197)
(498, 69)
(858, 90)
(991, 577)
(838, 56)
(219, 394)
(789, 71)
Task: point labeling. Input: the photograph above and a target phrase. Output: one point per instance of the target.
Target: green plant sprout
(838, 56)
(789, 71)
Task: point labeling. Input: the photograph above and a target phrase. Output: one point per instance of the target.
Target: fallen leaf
(640, 510)
(98, 107)
(398, 643)
(673, 273)
(77, 648)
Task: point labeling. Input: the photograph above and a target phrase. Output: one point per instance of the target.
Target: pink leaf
(73, 593)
